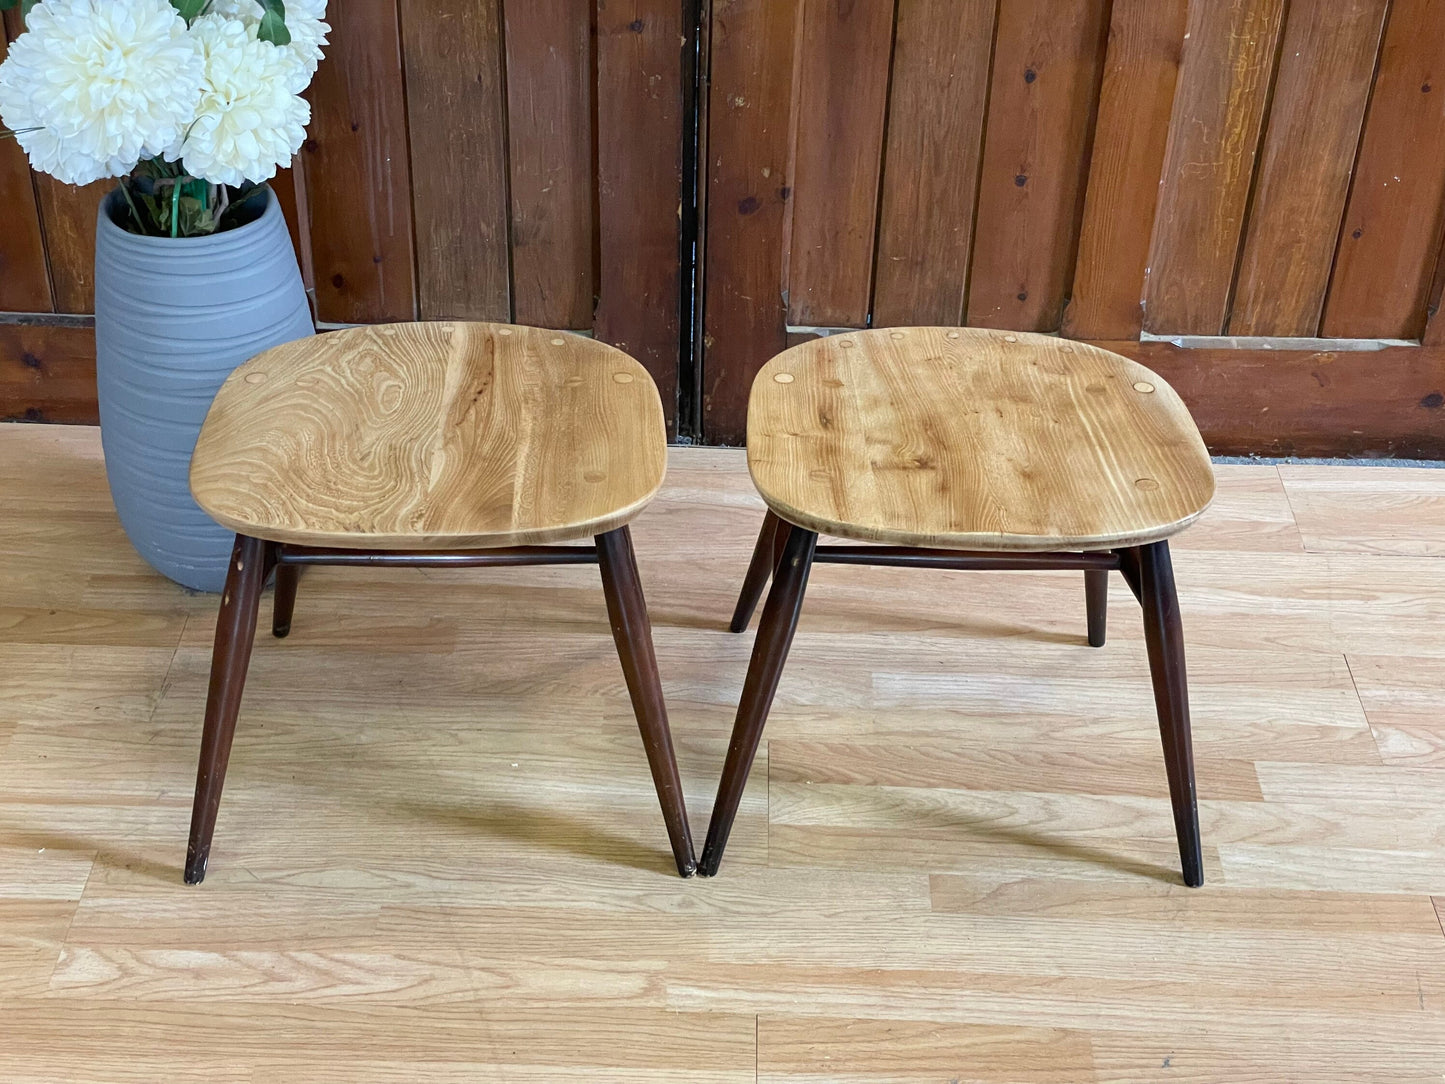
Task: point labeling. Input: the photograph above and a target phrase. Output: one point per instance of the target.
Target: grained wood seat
(432, 436)
(443, 444)
(965, 438)
(966, 448)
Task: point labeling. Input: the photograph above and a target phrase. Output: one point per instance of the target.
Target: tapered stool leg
(1096, 596)
(770, 652)
(765, 558)
(1164, 638)
(632, 630)
(240, 603)
(287, 577)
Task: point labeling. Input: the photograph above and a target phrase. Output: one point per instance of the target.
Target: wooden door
(1245, 195)
(467, 159)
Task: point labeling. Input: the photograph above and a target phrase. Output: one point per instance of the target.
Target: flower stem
(134, 210)
(176, 209)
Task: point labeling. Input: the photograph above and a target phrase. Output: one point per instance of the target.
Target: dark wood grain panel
(842, 98)
(1393, 221)
(1219, 107)
(47, 373)
(549, 122)
(455, 97)
(358, 170)
(1369, 403)
(1048, 60)
(1326, 68)
(745, 321)
(67, 217)
(24, 278)
(290, 188)
(1136, 100)
(639, 164)
(941, 63)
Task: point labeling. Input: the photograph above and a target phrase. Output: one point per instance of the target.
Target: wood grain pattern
(1326, 69)
(439, 436)
(414, 888)
(941, 62)
(458, 128)
(639, 164)
(745, 319)
(971, 439)
(67, 217)
(1219, 107)
(1136, 101)
(47, 374)
(1047, 63)
(24, 277)
(290, 188)
(844, 52)
(1396, 213)
(1307, 402)
(358, 171)
(549, 148)
(1361, 510)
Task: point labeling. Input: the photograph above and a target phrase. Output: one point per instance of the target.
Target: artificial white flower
(101, 84)
(306, 23)
(249, 123)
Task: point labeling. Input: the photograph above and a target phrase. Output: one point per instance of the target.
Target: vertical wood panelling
(456, 109)
(1327, 64)
(745, 321)
(930, 174)
(842, 99)
(549, 119)
(639, 165)
(1135, 103)
(1046, 68)
(67, 215)
(1393, 222)
(1219, 108)
(290, 188)
(358, 172)
(24, 279)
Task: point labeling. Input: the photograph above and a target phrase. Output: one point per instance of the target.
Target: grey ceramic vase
(173, 317)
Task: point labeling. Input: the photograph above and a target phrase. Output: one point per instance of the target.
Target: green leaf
(189, 10)
(273, 23)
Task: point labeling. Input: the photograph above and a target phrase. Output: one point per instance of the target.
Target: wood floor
(439, 855)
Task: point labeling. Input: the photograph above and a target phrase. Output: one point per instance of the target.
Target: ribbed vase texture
(173, 317)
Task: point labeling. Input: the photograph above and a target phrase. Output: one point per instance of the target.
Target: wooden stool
(993, 451)
(430, 445)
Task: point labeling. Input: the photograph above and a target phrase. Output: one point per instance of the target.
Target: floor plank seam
(65, 937)
(1293, 516)
(171, 665)
(1355, 685)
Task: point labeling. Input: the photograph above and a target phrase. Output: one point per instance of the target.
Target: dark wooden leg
(633, 632)
(286, 579)
(1164, 637)
(1096, 595)
(235, 630)
(770, 652)
(765, 558)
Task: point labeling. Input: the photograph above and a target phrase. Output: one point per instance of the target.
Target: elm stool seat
(966, 448)
(431, 444)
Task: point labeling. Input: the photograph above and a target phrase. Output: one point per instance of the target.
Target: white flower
(305, 21)
(248, 123)
(105, 83)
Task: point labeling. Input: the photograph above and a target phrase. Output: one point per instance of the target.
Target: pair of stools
(468, 444)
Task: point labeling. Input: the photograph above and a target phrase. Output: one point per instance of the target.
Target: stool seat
(432, 436)
(972, 439)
